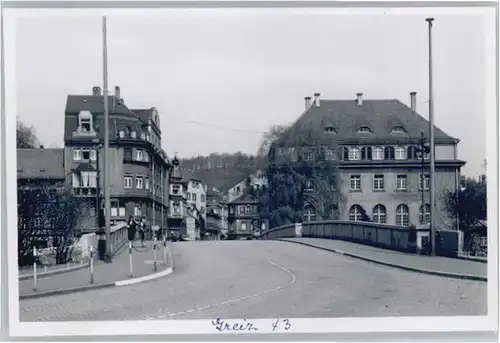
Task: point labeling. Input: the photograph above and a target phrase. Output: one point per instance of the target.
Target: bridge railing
(119, 236)
(379, 235)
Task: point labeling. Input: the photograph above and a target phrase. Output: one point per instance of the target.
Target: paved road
(252, 279)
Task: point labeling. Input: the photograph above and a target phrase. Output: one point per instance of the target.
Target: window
(377, 153)
(241, 209)
(203, 198)
(400, 153)
(138, 155)
(176, 189)
(330, 130)
(249, 209)
(133, 135)
(425, 217)
(121, 134)
(146, 183)
(243, 226)
(378, 182)
(194, 196)
(309, 186)
(402, 215)
(77, 154)
(398, 129)
(85, 154)
(401, 182)
(389, 153)
(202, 210)
(379, 214)
(77, 179)
(139, 182)
(188, 197)
(354, 154)
(308, 156)
(146, 157)
(355, 183)
(85, 118)
(426, 180)
(143, 136)
(364, 129)
(355, 213)
(93, 154)
(127, 182)
(137, 210)
(309, 214)
(176, 206)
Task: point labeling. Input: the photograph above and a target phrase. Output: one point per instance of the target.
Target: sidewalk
(104, 274)
(442, 266)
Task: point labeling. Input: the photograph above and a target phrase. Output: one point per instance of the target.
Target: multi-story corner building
(177, 198)
(376, 144)
(138, 167)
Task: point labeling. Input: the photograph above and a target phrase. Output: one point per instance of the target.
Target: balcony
(84, 191)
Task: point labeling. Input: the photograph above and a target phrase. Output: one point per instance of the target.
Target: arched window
(364, 129)
(377, 153)
(354, 153)
(389, 153)
(309, 214)
(379, 214)
(355, 213)
(401, 153)
(402, 215)
(425, 217)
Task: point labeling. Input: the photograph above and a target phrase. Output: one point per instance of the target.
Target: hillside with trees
(221, 171)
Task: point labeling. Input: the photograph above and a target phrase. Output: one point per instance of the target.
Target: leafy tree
(468, 204)
(302, 172)
(46, 213)
(364, 216)
(26, 136)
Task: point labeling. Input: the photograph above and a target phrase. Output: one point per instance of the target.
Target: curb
(166, 272)
(480, 260)
(53, 272)
(411, 269)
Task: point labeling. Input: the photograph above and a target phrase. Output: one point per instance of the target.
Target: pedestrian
(142, 230)
(132, 228)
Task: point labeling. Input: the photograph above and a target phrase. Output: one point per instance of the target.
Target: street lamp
(422, 150)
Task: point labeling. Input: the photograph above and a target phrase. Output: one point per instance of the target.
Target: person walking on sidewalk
(142, 230)
(132, 228)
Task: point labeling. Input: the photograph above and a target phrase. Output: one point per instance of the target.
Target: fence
(379, 235)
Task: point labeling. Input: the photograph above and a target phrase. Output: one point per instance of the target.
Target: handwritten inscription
(245, 326)
(281, 324)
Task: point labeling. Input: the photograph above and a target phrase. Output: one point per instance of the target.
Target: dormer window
(143, 136)
(133, 135)
(85, 122)
(398, 129)
(364, 129)
(330, 129)
(121, 134)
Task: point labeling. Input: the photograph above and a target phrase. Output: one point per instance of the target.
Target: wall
(445, 152)
(391, 198)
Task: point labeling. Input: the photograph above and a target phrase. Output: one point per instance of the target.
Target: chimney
(117, 92)
(316, 99)
(96, 91)
(413, 100)
(308, 102)
(359, 99)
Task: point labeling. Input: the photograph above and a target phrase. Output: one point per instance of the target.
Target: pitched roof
(245, 198)
(40, 164)
(95, 104)
(345, 118)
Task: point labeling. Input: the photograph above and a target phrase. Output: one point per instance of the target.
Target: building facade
(197, 197)
(376, 146)
(177, 199)
(138, 167)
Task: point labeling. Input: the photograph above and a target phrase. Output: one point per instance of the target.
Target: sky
(219, 79)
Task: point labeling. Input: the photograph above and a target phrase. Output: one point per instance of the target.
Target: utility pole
(107, 202)
(432, 147)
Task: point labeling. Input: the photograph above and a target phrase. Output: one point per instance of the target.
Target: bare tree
(302, 176)
(47, 216)
(26, 136)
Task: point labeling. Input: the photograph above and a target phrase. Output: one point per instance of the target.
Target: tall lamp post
(422, 150)
(432, 146)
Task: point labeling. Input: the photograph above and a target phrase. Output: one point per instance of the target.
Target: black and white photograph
(250, 170)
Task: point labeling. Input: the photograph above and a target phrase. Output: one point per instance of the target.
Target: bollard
(34, 269)
(45, 269)
(165, 250)
(67, 265)
(154, 254)
(130, 257)
(91, 261)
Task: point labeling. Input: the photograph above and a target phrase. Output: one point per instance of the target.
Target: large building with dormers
(139, 168)
(375, 143)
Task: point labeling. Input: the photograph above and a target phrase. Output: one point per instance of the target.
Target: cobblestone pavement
(254, 279)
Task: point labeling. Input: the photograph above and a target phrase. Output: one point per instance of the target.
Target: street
(255, 279)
